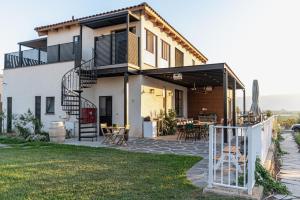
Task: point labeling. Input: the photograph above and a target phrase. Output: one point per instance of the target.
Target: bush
(169, 123)
(269, 113)
(30, 128)
(264, 178)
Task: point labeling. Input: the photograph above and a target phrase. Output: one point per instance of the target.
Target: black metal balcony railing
(109, 50)
(31, 57)
(112, 49)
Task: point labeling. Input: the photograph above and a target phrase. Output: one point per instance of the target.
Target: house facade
(116, 67)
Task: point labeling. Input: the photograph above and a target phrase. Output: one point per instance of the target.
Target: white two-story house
(115, 67)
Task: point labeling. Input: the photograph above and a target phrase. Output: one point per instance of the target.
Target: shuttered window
(38, 107)
(149, 41)
(165, 50)
(178, 58)
(9, 114)
(50, 105)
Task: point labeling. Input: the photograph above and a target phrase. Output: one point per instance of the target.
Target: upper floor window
(50, 105)
(193, 62)
(178, 58)
(165, 50)
(149, 41)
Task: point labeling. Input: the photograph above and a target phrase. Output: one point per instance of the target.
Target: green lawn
(48, 171)
(297, 138)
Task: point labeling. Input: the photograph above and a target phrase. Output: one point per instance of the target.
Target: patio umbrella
(255, 99)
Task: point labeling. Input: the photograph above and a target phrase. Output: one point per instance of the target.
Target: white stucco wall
(23, 84)
(149, 58)
(114, 86)
(62, 35)
(152, 104)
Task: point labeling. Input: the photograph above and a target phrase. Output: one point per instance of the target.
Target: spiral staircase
(72, 85)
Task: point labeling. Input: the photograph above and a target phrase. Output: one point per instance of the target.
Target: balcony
(39, 54)
(112, 49)
(116, 49)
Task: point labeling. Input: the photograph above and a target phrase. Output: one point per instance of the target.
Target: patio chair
(189, 131)
(122, 136)
(108, 136)
(180, 132)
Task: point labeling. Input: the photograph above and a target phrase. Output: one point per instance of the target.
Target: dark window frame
(9, 114)
(38, 107)
(47, 106)
(179, 102)
(152, 47)
(177, 53)
(165, 55)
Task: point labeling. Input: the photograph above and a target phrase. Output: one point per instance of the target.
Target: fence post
(251, 160)
(210, 156)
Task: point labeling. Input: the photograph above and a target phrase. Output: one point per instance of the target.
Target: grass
(50, 171)
(297, 138)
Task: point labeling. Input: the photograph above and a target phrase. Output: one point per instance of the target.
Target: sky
(258, 39)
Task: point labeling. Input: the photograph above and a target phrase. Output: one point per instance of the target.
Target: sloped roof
(153, 15)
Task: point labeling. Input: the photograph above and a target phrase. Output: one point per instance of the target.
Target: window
(50, 105)
(193, 61)
(179, 103)
(178, 58)
(149, 41)
(37, 109)
(9, 114)
(165, 50)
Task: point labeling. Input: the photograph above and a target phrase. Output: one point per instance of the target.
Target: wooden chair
(122, 136)
(108, 136)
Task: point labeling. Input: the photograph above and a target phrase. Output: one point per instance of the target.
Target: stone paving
(290, 169)
(198, 174)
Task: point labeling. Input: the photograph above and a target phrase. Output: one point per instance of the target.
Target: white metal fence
(233, 152)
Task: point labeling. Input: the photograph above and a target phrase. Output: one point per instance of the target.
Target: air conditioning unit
(177, 76)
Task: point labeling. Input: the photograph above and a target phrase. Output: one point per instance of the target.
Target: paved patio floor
(198, 174)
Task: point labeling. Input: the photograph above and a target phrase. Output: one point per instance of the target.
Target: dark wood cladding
(212, 101)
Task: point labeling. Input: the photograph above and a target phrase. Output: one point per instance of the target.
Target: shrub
(264, 178)
(30, 128)
(269, 113)
(169, 123)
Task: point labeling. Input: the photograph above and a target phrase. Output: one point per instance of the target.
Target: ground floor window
(50, 105)
(9, 114)
(37, 107)
(179, 103)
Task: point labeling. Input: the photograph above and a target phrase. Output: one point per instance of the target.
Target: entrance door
(105, 109)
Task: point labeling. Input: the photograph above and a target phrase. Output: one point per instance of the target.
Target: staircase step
(86, 132)
(71, 100)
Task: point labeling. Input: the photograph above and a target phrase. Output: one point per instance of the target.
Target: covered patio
(211, 91)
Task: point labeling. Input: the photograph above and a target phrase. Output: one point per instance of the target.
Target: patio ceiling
(199, 75)
(40, 43)
(109, 20)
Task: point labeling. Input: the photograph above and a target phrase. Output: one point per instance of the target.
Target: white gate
(233, 152)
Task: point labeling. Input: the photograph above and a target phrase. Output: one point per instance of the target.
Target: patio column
(225, 88)
(244, 101)
(125, 98)
(234, 103)
(20, 55)
(234, 106)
